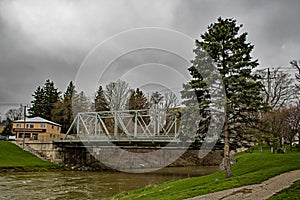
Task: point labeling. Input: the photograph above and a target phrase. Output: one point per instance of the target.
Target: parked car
(12, 137)
(3, 137)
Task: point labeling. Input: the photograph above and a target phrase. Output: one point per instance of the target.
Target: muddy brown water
(87, 185)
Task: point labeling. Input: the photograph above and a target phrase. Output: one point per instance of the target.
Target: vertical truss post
(78, 126)
(175, 127)
(116, 125)
(135, 123)
(95, 125)
(158, 122)
(155, 121)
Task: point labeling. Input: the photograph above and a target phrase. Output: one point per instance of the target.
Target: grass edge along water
(251, 168)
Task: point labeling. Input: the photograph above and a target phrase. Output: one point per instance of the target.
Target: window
(19, 126)
(27, 135)
(43, 126)
(35, 136)
(52, 127)
(29, 126)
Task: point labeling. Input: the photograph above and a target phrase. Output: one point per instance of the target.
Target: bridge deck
(132, 144)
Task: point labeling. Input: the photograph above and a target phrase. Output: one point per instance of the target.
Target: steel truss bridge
(128, 126)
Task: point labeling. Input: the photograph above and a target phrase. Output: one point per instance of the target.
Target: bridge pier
(132, 160)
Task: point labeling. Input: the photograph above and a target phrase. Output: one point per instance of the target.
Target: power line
(11, 104)
(276, 68)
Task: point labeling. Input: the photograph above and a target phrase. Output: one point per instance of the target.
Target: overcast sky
(49, 39)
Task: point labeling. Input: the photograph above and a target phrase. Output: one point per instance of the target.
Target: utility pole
(269, 85)
(24, 126)
(268, 78)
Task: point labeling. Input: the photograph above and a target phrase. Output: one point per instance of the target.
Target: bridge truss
(141, 125)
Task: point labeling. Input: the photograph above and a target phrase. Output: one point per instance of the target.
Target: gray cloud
(50, 39)
(273, 26)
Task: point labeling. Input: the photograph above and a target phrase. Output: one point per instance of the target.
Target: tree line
(61, 107)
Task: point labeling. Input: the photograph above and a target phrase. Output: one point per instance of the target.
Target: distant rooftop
(36, 120)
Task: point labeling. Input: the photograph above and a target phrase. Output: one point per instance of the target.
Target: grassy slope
(13, 156)
(250, 168)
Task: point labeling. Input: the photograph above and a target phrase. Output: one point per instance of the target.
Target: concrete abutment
(90, 156)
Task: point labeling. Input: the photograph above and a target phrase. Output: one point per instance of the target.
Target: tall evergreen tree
(8, 127)
(197, 97)
(100, 101)
(38, 102)
(62, 110)
(70, 91)
(231, 54)
(44, 99)
(138, 101)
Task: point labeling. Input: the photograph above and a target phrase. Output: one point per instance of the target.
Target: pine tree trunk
(227, 164)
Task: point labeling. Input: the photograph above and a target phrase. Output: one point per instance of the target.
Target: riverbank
(15, 159)
(251, 168)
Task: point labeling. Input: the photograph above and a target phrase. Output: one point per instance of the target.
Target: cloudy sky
(50, 39)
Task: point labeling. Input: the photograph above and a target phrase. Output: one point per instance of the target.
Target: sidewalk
(260, 191)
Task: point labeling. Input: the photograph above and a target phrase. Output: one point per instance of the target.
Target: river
(86, 185)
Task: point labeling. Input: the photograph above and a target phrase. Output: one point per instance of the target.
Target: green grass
(292, 192)
(251, 168)
(11, 156)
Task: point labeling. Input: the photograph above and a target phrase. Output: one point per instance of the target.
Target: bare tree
(279, 88)
(170, 100)
(14, 114)
(283, 124)
(276, 125)
(117, 95)
(155, 99)
(80, 103)
(293, 121)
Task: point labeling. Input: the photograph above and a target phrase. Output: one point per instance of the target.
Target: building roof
(36, 120)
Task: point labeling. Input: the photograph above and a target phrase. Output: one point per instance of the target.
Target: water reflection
(86, 185)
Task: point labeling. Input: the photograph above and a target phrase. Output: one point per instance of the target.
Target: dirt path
(260, 191)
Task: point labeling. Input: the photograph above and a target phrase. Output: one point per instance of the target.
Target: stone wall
(44, 149)
(85, 157)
